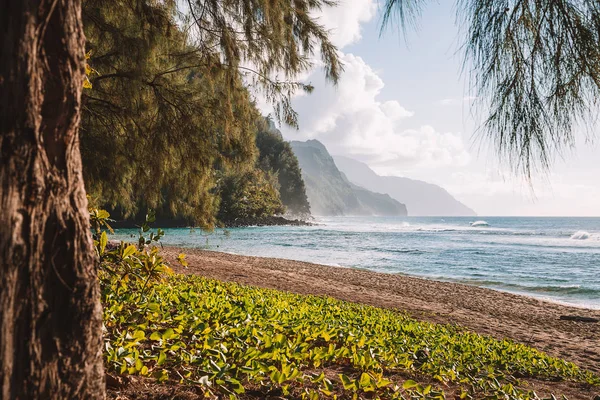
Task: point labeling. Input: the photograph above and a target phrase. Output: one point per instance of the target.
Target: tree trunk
(50, 313)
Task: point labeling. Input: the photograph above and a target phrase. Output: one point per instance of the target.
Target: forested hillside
(168, 126)
(277, 157)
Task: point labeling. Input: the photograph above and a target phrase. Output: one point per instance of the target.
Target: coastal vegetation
(248, 196)
(277, 156)
(230, 340)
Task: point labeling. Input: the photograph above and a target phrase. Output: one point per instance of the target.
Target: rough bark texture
(50, 314)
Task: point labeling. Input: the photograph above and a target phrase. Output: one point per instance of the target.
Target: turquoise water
(556, 259)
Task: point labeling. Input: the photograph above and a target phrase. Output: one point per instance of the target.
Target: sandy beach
(503, 315)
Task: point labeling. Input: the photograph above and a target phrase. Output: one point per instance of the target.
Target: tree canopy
(277, 157)
(155, 128)
(270, 41)
(169, 112)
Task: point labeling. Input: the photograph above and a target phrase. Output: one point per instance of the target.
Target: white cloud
(350, 119)
(345, 19)
(394, 111)
(343, 22)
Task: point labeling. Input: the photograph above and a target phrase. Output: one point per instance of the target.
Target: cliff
(329, 191)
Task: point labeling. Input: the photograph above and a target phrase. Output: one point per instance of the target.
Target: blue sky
(403, 107)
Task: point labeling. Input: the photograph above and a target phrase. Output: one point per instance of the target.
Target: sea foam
(479, 223)
(580, 235)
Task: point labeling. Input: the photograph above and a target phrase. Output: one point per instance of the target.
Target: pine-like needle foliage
(160, 118)
(271, 41)
(535, 66)
(403, 12)
(169, 114)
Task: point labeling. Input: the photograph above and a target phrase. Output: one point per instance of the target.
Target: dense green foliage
(248, 196)
(155, 128)
(168, 112)
(271, 42)
(230, 339)
(275, 156)
(274, 186)
(132, 264)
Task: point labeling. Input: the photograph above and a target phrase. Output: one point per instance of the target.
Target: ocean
(556, 259)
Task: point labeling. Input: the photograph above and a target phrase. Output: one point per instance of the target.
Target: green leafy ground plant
(232, 339)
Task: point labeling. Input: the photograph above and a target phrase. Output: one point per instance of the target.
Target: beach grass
(240, 341)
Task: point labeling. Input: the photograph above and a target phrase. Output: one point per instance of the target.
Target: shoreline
(522, 318)
(434, 279)
(543, 298)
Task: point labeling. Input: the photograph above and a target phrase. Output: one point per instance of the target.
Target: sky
(403, 107)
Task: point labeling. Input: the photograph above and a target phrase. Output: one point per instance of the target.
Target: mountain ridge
(421, 198)
(331, 193)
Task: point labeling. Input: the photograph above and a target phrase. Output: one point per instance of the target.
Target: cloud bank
(350, 120)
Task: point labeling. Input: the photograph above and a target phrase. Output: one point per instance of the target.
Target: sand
(524, 319)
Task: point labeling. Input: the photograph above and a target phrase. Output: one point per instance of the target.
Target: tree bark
(50, 313)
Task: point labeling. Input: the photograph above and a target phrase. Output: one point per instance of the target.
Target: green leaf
(154, 307)
(103, 242)
(162, 375)
(275, 376)
(139, 335)
(181, 260)
(318, 378)
(129, 250)
(348, 383)
(383, 382)
(168, 334)
(365, 380)
(409, 384)
(236, 385)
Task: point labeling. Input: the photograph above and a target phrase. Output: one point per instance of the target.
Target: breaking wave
(479, 223)
(580, 235)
